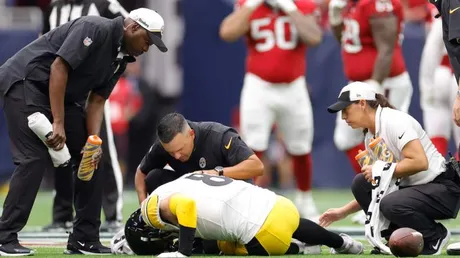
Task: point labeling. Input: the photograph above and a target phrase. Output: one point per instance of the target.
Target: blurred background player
(274, 90)
(58, 13)
(370, 36)
(438, 90)
(417, 11)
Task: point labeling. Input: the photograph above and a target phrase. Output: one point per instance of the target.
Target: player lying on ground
(243, 218)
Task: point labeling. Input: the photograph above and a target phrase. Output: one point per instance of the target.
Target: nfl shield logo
(87, 41)
(202, 162)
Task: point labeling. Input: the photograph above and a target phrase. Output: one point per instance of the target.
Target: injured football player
(242, 218)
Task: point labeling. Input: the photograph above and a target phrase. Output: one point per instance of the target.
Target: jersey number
(210, 180)
(350, 37)
(276, 37)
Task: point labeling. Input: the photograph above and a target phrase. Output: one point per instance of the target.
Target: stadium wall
(213, 75)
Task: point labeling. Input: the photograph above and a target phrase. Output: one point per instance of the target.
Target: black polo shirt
(450, 15)
(90, 45)
(214, 145)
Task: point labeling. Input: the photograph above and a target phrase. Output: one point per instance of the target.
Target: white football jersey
(397, 128)
(227, 209)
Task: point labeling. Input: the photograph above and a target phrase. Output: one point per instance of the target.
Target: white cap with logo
(153, 23)
(352, 92)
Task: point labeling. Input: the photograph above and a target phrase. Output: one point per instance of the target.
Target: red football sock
(441, 144)
(303, 171)
(351, 153)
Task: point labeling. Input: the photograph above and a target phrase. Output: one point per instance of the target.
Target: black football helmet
(145, 240)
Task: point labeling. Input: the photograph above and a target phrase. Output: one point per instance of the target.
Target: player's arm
(94, 113)
(309, 31)
(336, 214)
(97, 98)
(244, 164)
(385, 34)
(335, 9)
(337, 31)
(406, 140)
(431, 58)
(152, 159)
(59, 73)
(181, 210)
(69, 56)
(247, 169)
(414, 161)
(236, 24)
(139, 184)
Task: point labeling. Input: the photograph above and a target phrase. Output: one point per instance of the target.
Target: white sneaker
(453, 249)
(350, 246)
(306, 249)
(306, 206)
(359, 218)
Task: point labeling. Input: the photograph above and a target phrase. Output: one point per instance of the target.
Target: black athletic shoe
(436, 247)
(87, 248)
(58, 227)
(14, 249)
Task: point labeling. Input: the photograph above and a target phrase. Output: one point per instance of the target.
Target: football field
(52, 244)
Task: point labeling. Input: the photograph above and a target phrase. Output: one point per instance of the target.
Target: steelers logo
(202, 162)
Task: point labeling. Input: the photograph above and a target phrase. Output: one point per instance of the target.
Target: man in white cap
(80, 60)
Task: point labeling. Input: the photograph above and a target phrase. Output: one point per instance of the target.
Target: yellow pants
(275, 234)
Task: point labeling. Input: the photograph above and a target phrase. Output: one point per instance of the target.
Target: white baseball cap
(352, 92)
(153, 23)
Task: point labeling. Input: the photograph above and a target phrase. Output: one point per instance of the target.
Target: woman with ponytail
(429, 189)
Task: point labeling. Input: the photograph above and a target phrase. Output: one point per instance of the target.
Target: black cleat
(14, 249)
(86, 248)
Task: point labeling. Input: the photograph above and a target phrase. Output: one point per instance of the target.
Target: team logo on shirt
(87, 41)
(202, 162)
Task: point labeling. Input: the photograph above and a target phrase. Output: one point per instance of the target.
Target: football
(406, 242)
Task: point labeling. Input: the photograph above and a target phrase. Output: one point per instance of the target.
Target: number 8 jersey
(275, 52)
(227, 209)
(358, 47)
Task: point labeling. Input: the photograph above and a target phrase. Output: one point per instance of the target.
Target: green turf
(41, 215)
(57, 252)
(41, 212)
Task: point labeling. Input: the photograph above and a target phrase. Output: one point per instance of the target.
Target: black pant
(62, 205)
(158, 177)
(31, 158)
(416, 207)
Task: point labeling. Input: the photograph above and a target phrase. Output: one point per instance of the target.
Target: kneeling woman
(429, 189)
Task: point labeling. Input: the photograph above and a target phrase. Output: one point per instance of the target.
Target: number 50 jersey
(227, 209)
(275, 52)
(359, 51)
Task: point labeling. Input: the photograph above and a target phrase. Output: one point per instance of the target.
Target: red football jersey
(358, 48)
(275, 52)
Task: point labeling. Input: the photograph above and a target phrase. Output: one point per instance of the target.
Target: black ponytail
(380, 100)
